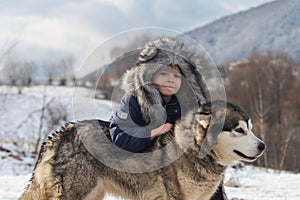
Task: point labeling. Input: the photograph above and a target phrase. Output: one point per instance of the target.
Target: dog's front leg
(173, 193)
(172, 185)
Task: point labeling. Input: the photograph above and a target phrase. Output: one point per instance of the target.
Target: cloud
(77, 27)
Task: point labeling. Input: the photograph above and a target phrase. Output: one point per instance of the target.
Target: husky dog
(210, 138)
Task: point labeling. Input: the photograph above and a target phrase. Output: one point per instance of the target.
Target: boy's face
(168, 81)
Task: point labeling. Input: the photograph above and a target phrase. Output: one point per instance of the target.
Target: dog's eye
(240, 130)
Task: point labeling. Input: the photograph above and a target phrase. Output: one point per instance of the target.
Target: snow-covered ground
(20, 119)
(251, 183)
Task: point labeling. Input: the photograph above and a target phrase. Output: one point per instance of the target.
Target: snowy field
(20, 114)
(248, 183)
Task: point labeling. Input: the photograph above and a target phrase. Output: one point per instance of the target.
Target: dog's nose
(261, 146)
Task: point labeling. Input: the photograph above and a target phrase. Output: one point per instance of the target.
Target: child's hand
(166, 127)
(161, 130)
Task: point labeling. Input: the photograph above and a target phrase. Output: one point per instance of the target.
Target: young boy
(154, 87)
(128, 127)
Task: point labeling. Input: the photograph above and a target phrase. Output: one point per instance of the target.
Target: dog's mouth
(243, 155)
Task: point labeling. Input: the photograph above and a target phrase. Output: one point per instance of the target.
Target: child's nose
(171, 78)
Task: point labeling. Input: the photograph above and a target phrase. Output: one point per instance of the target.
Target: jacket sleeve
(126, 128)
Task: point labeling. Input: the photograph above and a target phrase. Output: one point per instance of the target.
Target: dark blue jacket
(128, 128)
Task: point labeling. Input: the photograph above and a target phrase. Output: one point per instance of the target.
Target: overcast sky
(48, 29)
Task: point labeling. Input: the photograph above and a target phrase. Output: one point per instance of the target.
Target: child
(151, 105)
(135, 135)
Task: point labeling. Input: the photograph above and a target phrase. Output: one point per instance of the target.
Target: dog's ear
(203, 119)
(203, 115)
(211, 126)
(210, 139)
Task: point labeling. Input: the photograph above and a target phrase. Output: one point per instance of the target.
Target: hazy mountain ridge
(274, 25)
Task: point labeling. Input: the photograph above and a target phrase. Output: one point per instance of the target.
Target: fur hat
(156, 55)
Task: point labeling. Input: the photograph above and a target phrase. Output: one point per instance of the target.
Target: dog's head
(227, 131)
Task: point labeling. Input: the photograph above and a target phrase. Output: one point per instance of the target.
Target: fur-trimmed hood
(156, 55)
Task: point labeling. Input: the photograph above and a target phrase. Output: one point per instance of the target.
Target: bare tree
(11, 71)
(27, 70)
(18, 72)
(66, 70)
(50, 70)
(61, 70)
(42, 118)
(261, 114)
(7, 49)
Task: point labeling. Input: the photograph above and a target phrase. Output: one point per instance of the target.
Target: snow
(17, 161)
(274, 25)
(255, 184)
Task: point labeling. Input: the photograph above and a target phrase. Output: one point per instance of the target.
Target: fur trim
(156, 55)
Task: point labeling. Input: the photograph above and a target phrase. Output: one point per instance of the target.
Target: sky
(52, 29)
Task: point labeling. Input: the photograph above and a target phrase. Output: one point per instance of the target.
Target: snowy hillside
(20, 117)
(274, 25)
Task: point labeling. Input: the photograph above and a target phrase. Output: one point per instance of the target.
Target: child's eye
(163, 73)
(178, 76)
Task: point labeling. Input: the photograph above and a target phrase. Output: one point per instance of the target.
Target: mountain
(274, 25)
